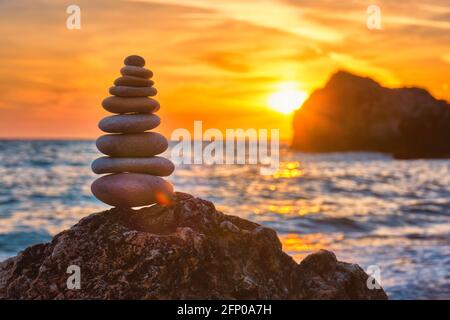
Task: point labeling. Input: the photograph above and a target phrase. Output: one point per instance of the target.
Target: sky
(221, 62)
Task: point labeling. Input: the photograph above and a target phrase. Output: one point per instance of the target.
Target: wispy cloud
(266, 13)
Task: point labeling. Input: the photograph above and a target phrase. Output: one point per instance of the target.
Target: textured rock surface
(187, 250)
(353, 113)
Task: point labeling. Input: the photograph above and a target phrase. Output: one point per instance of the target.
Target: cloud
(274, 14)
(230, 61)
(213, 59)
(362, 66)
(446, 58)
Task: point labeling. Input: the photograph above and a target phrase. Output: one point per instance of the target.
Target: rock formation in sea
(353, 113)
(132, 164)
(187, 250)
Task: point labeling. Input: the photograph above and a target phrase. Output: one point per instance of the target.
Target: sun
(287, 99)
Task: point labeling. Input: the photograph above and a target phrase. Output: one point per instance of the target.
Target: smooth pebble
(129, 105)
(131, 81)
(136, 72)
(132, 145)
(123, 91)
(129, 123)
(131, 190)
(134, 60)
(157, 166)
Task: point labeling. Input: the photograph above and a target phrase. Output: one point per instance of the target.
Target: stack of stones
(131, 163)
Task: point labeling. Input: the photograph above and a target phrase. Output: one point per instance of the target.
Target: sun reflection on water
(289, 170)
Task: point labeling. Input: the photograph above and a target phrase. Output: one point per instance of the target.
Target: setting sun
(287, 99)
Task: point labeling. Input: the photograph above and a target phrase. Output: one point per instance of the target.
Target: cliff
(353, 113)
(186, 251)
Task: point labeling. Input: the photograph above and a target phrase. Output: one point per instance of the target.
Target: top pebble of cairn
(134, 60)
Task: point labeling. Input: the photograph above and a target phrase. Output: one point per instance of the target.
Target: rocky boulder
(188, 250)
(353, 113)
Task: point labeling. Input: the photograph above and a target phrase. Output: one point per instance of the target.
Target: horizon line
(88, 139)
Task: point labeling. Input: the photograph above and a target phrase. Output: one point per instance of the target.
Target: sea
(388, 215)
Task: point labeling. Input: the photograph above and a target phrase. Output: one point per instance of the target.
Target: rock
(157, 166)
(122, 91)
(132, 182)
(136, 72)
(133, 82)
(129, 123)
(353, 113)
(131, 189)
(134, 60)
(128, 105)
(179, 251)
(145, 144)
(131, 148)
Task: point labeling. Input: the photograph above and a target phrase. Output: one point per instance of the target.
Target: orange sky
(216, 61)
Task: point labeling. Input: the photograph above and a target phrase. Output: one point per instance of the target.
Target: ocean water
(366, 207)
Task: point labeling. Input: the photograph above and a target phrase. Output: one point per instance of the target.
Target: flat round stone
(129, 123)
(131, 81)
(134, 60)
(129, 105)
(132, 145)
(131, 190)
(156, 166)
(136, 72)
(122, 91)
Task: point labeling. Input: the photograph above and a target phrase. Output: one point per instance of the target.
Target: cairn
(132, 166)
